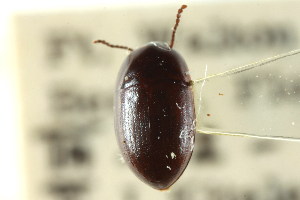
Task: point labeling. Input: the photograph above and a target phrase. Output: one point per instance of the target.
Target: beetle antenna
(180, 10)
(112, 45)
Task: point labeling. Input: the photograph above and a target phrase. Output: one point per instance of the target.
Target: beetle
(154, 111)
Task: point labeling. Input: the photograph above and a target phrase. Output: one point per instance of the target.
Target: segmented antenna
(112, 45)
(180, 10)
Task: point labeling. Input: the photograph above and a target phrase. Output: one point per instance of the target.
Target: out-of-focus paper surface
(67, 86)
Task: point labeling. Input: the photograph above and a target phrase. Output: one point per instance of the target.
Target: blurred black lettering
(66, 146)
(219, 37)
(275, 89)
(63, 46)
(67, 190)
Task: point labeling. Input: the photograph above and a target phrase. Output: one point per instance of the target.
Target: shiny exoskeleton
(155, 114)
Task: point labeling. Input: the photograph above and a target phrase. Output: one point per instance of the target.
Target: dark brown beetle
(154, 112)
